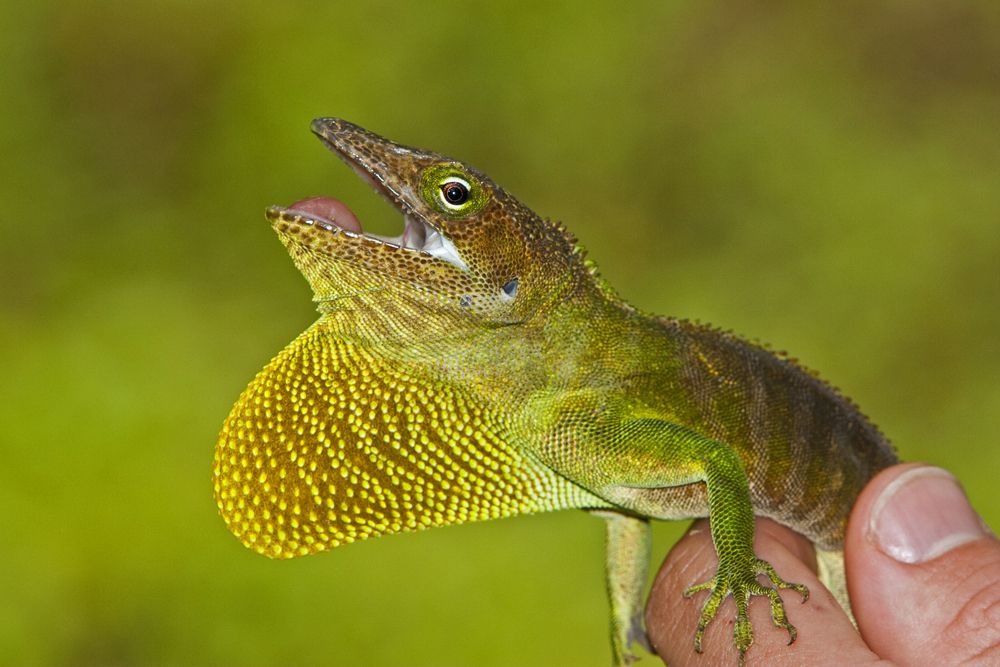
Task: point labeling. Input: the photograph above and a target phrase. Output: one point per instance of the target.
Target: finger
(923, 570)
(825, 634)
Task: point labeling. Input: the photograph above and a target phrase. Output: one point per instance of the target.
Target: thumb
(923, 570)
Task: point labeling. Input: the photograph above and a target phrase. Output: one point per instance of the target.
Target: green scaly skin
(478, 368)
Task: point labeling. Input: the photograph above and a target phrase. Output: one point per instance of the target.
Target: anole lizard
(477, 367)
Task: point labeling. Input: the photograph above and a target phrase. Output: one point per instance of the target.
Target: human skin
(923, 572)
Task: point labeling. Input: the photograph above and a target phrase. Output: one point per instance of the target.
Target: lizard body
(477, 367)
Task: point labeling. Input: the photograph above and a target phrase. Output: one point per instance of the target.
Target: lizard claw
(742, 583)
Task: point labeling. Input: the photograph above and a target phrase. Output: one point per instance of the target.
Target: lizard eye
(454, 193)
(451, 190)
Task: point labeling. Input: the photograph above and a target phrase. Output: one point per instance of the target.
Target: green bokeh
(826, 180)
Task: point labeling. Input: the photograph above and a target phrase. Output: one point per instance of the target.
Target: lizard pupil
(455, 193)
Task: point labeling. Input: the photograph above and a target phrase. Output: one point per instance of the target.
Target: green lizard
(477, 367)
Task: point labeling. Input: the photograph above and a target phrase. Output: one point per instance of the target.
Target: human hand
(923, 572)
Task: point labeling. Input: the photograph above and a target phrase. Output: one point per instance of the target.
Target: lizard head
(469, 252)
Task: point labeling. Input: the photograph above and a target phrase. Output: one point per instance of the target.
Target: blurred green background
(825, 179)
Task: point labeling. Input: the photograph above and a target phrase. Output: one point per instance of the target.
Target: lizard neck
(584, 336)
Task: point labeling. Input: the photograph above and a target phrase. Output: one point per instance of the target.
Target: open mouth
(333, 216)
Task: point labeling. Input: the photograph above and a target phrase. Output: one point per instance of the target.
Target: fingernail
(921, 515)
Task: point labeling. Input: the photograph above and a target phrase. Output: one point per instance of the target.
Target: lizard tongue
(330, 210)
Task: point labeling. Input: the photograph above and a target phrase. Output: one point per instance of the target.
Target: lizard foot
(742, 583)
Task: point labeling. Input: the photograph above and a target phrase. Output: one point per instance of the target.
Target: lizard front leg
(731, 521)
(630, 462)
(627, 561)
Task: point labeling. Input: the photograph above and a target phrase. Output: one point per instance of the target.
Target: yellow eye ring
(452, 190)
